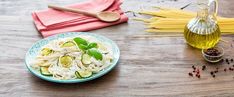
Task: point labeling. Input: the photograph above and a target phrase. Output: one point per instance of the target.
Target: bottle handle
(216, 6)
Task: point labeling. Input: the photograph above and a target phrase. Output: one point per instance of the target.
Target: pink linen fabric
(49, 22)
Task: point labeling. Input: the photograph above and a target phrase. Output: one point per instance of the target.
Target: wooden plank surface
(149, 65)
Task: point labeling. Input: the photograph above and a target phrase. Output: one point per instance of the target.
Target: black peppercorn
(221, 60)
(190, 74)
(193, 67)
(203, 67)
(225, 69)
(212, 73)
(226, 60)
(213, 76)
(198, 76)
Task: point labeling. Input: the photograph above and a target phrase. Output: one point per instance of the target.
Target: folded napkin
(50, 22)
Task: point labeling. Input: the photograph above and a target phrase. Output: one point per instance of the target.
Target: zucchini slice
(46, 51)
(85, 73)
(86, 59)
(68, 44)
(45, 71)
(78, 75)
(66, 61)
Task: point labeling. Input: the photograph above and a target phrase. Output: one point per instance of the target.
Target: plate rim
(50, 79)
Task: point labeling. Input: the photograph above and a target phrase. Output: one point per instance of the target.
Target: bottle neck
(203, 13)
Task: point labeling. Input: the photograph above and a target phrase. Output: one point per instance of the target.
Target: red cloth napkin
(50, 22)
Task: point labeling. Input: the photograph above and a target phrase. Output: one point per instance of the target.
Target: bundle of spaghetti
(174, 20)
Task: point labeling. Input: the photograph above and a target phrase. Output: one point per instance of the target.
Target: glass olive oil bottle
(203, 31)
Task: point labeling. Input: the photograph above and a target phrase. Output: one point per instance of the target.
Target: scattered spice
(203, 67)
(190, 74)
(213, 76)
(196, 72)
(225, 69)
(221, 60)
(231, 60)
(193, 67)
(212, 73)
(227, 61)
(198, 76)
(230, 68)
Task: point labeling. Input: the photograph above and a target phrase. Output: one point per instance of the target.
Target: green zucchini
(45, 71)
(66, 61)
(86, 59)
(84, 73)
(46, 51)
(78, 75)
(68, 44)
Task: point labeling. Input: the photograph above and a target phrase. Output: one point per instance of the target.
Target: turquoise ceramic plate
(34, 50)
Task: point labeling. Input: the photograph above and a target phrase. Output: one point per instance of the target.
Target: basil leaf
(79, 41)
(95, 53)
(83, 47)
(92, 45)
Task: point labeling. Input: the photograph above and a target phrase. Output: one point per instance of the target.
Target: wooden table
(150, 65)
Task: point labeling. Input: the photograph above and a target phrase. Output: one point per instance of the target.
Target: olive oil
(203, 31)
(202, 41)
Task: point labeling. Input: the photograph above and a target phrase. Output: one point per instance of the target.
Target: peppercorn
(198, 76)
(226, 60)
(231, 69)
(212, 73)
(221, 60)
(225, 69)
(190, 74)
(193, 67)
(231, 60)
(213, 76)
(198, 71)
(212, 52)
(203, 67)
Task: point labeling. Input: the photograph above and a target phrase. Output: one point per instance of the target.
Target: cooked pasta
(73, 58)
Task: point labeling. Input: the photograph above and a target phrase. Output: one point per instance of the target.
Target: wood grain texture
(149, 66)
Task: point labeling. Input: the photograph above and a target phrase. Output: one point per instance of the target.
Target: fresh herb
(95, 53)
(89, 48)
(79, 41)
(92, 45)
